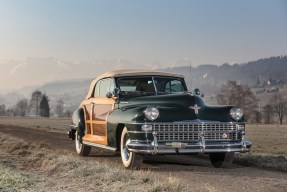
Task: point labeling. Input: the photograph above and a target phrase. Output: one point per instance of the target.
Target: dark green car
(141, 113)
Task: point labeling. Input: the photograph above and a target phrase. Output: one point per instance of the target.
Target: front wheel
(219, 160)
(82, 150)
(130, 160)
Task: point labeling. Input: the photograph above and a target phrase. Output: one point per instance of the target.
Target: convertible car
(138, 113)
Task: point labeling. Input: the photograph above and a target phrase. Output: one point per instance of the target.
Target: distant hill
(209, 78)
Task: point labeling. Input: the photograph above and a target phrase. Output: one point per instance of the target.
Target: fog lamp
(147, 128)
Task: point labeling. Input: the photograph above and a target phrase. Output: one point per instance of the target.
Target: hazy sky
(204, 32)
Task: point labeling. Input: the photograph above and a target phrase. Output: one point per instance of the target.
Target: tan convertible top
(129, 73)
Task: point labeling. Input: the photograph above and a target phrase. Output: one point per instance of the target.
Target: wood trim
(95, 139)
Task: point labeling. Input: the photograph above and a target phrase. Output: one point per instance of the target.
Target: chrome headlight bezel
(236, 113)
(151, 113)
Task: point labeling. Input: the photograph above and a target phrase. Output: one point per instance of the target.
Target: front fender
(78, 121)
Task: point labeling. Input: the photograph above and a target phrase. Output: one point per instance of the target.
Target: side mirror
(196, 91)
(109, 94)
(116, 92)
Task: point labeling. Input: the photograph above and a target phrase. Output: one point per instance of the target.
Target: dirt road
(196, 172)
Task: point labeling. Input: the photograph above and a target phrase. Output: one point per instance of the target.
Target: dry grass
(268, 139)
(11, 180)
(67, 172)
(269, 149)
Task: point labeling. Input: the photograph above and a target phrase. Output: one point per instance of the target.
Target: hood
(177, 107)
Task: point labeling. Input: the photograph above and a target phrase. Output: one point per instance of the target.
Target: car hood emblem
(195, 108)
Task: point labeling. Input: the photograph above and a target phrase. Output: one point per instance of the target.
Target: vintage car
(139, 113)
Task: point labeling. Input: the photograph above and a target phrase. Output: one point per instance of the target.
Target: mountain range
(76, 77)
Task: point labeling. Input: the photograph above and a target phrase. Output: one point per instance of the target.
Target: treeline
(38, 106)
(234, 93)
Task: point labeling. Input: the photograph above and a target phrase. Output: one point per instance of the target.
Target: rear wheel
(219, 160)
(82, 150)
(130, 160)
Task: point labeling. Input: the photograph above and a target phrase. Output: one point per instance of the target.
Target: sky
(143, 32)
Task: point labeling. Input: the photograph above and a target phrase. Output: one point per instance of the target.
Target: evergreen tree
(44, 106)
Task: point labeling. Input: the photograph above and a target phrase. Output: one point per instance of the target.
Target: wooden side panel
(96, 111)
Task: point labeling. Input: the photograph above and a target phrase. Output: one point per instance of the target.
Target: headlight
(151, 113)
(236, 113)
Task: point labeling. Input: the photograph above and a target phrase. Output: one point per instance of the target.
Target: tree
(44, 106)
(60, 108)
(22, 107)
(35, 102)
(233, 93)
(68, 114)
(2, 110)
(279, 104)
(268, 114)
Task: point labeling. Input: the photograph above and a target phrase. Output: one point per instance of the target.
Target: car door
(97, 109)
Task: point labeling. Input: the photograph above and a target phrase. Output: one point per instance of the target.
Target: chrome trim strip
(188, 151)
(100, 146)
(140, 132)
(187, 122)
(183, 131)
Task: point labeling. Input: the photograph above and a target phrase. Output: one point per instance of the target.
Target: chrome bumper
(185, 148)
(201, 146)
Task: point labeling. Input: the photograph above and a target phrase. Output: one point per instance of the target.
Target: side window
(103, 87)
(112, 85)
(97, 89)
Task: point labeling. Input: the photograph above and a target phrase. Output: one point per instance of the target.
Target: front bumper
(186, 148)
(190, 137)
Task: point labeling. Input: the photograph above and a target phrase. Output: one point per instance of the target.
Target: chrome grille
(195, 132)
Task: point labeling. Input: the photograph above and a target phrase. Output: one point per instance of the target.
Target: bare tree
(60, 108)
(268, 113)
(68, 114)
(22, 107)
(233, 93)
(35, 102)
(279, 104)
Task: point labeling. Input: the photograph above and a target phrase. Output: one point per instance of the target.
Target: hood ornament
(195, 108)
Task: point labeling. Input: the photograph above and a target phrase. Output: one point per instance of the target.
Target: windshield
(151, 85)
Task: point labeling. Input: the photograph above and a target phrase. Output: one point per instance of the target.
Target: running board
(100, 146)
